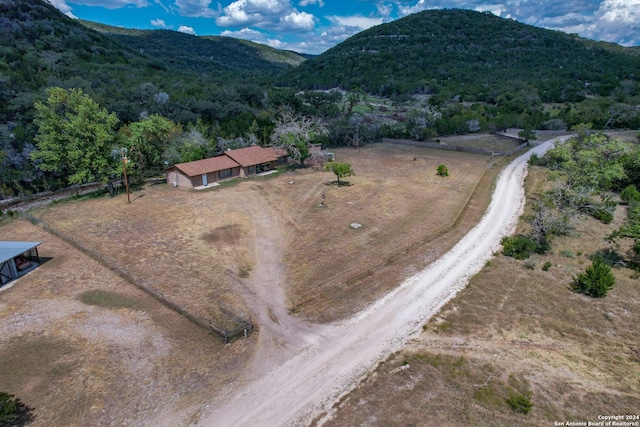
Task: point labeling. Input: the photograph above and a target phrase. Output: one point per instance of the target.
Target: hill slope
(188, 51)
(40, 47)
(468, 53)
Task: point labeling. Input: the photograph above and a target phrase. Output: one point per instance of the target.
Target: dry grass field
(83, 347)
(196, 248)
(83, 344)
(515, 332)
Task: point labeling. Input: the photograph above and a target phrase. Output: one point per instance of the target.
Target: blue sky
(313, 26)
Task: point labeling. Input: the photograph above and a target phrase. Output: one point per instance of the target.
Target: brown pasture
(516, 331)
(83, 344)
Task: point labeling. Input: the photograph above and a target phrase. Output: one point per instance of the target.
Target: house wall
(180, 179)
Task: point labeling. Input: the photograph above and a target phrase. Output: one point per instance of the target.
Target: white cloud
(277, 15)
(158, 23)
(186, 30)
(62, 7)
(245, 34)
(384, 10)
(304, 3)
(297, 21)
(277, 44)
(496, 9)
(616, 21)
(362, 22)
(196, 8)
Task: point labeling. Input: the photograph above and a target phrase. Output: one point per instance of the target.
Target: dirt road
(329, 361)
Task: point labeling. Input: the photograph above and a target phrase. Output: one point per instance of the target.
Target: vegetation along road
(333, 361)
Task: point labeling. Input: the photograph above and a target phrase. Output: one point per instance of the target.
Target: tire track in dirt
(336, 358)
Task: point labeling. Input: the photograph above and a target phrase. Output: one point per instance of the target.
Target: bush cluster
(595, 281)
(519, 246)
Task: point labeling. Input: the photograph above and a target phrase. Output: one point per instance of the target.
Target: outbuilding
(17, 259)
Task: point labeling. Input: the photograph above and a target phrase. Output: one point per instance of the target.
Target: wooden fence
(244, 326)
(473, 150)
(124, 274)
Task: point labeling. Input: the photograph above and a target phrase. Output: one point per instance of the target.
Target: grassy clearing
(522, 335)
(107, 299)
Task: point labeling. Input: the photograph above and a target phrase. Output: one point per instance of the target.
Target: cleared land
(516, 332)
(84, 346)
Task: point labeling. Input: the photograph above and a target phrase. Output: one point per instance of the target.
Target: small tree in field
(595, 281)
(340, 169)
(443, 170)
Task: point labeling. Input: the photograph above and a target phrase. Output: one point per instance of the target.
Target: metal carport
(16, 258)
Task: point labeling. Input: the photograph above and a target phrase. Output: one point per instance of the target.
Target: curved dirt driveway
(333, 359)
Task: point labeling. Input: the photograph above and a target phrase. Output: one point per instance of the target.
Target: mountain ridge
(473, 54)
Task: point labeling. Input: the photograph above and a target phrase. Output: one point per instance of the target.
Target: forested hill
(123, 70)
(475, 55)
(174, 49)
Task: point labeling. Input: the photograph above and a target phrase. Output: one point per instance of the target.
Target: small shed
(203, 172)
(17, 259)
(254, 159)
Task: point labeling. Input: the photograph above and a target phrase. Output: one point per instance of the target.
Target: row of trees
(78, 141)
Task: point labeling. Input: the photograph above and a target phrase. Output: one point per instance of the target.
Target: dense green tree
(147, 140)
(592, 160)
(75, 137)
(340, 169)
(527, 134)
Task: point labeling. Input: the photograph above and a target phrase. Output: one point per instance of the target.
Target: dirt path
(322, 364)
(280, 335)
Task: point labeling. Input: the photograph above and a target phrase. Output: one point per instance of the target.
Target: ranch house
(243, 162)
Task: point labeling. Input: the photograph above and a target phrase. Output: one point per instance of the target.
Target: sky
(313, 26)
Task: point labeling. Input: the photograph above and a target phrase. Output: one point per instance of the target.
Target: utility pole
(124, 168)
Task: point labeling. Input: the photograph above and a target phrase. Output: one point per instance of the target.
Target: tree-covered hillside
(471, 54)
(217, 81)
(212, 54)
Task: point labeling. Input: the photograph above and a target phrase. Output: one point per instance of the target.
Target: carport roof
(10, 250)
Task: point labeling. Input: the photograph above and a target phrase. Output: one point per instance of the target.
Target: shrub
(595, 281)
(530, 263)
(608, 255)
(534, 160)
(13, 412)
(518, 247)
(443, 170)
(602, 215)
(546, 266)
(630, 194)
(567, 254)
(520, 402)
